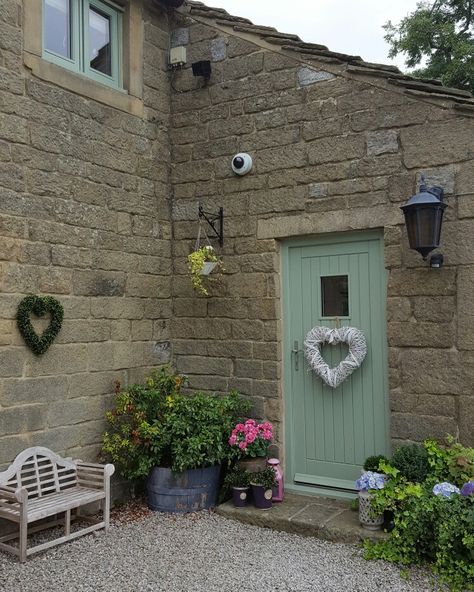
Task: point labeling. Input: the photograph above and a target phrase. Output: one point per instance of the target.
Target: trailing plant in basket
(39, 306)
(196, 261)
(155, 425)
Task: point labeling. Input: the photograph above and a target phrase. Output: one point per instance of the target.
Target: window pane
(335, 296)
(57, 29)
(100, 54)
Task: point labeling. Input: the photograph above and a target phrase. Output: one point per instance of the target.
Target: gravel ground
(201, 553)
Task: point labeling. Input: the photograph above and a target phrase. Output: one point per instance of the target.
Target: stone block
(92, 384)
(417, 428)
(436, 405)
(466, 205)
(141, 330)
(78, 410)
(241, 385)
(433, 371)
(399, 310)
(118, 308)
(267, 351)
(204, 365)
(336, 149)
(209, 383)
(441, 176)
(19, 420)
(10, 446)
(98, 283)
(247, 330)
(266, 388)
(435, 309)
(84, 331)
(144, 285)
(465, 314)
(229, 349)
(58, 360)
(11, 361)
(380, 142)
(218, 49)
(308, 76)
(248, 369)
(450, 141)
(466, 413)
(422, 282)
(180, 36)
(421, 334)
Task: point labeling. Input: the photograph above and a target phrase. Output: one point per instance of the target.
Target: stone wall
(84, 216)
(333, 152)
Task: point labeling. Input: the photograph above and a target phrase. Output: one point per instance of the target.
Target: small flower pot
(208, 267)
(262, 498)
(240, 496)
(252, 464)
(366, 518)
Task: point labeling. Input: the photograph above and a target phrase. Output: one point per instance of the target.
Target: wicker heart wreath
(351, 336)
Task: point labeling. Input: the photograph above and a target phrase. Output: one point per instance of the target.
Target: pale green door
(330, 281)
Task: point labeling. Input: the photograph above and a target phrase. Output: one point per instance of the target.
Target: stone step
(307, 515)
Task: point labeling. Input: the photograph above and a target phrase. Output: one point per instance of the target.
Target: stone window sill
(82, 85)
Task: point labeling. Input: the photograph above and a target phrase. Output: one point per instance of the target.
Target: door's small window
(335, 296)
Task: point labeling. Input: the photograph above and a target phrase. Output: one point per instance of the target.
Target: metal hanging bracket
(215, 221)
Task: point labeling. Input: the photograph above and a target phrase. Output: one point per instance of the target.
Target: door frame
(320, 240)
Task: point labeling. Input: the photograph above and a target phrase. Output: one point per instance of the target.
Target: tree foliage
(440, 32)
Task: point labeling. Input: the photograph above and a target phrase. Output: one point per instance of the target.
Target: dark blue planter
(189, 491)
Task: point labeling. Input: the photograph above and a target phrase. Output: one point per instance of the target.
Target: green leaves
(39, 306)
(155, 425)
(441, 32)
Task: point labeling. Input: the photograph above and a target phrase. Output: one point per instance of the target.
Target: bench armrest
(18, 495)
(94, 475)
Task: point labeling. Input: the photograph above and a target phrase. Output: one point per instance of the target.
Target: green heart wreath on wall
(39, 306)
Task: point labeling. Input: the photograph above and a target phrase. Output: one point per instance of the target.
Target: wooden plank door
(330, 281)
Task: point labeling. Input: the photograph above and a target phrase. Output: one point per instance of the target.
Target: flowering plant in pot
(366, 485)
(262, 483)
(177, 442)
(238, 480)
(201, 262)
(249, 441)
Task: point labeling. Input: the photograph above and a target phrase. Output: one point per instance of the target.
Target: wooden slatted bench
(39, 485)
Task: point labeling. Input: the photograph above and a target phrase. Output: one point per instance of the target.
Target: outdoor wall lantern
(423, 219)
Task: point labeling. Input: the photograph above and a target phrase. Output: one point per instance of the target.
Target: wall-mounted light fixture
(423, 219)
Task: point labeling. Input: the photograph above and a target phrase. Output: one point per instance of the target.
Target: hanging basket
(209, 267)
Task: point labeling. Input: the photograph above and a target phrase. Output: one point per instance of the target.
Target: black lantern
(423, 219)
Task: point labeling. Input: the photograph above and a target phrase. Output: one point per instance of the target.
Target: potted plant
(201, 262)
(262, 483)
(238, 480)
(366, 485)
(176, 442)
(372, 463)
(249, 442)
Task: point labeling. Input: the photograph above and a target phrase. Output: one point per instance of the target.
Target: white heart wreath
(318, 336)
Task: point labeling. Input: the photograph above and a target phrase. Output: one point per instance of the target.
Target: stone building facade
(98, 206)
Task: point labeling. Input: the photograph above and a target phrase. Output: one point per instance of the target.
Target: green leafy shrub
(372, 462)
(266, 478)
(237, 477)
(155, 425)
(412, 462)
(429, 528)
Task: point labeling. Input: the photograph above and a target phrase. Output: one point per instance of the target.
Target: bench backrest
(41, 471)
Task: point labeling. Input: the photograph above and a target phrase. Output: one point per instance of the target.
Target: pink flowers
(252, 438)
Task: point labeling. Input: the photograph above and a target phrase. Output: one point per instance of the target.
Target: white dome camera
(242, 163)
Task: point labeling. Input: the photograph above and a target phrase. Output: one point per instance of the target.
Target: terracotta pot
(253, 464)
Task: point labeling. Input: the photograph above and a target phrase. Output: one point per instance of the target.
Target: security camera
(242, 163)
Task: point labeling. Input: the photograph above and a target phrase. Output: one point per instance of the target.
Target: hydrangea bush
(434, 518)
(370, 480)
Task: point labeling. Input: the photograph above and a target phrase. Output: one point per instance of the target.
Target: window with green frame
(84, 36)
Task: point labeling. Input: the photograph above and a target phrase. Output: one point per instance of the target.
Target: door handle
(294, 352)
